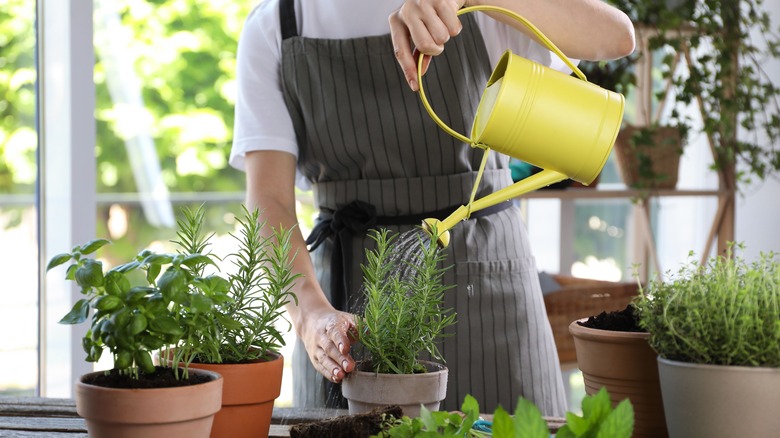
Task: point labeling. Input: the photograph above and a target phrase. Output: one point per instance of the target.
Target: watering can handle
(523, 21)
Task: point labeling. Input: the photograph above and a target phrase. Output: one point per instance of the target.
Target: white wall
(758, 209)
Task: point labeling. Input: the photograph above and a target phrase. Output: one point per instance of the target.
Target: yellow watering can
(564, 125)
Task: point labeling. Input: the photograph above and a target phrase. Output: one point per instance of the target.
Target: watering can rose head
(564, 125)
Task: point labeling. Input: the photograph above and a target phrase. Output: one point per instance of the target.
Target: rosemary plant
(244, 328)
(725, 312)
(404, 296)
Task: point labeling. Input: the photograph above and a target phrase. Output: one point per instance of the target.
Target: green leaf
(565, 432)
(123, 360)
(578, 425)
(619, 423)
(596, 407)
(172, 283)
(427, 418)
(215, 284)
(152, 342)
(194, 260)
(144, 360)
(201, 303)
(152, 272)
(77, 314)
(108, 303)
(93, 245)
(138, 293)
(228, 322)
(137, 324)
(166, 325)
(502, 424)
(157, 259)
(90, 274)
(528, 421)
(58, 260)
(70, 274)
(127, 267)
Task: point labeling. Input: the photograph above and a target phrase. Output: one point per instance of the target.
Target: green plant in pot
(403, 319)
(242, 341)
(153, 301)
(716, 329)
(194, 319)
(724, 46)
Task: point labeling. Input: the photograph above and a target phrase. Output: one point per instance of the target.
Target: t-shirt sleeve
(499, 37)
(261, 118)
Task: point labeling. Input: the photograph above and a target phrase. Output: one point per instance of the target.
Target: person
(326, 99)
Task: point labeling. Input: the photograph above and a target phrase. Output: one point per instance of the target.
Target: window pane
(18, 235)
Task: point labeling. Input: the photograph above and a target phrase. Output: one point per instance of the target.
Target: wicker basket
(580, 298)
(663, 156)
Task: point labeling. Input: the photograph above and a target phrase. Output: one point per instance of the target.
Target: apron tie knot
(357, 216)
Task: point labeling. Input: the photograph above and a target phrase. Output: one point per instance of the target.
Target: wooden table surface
(57, 418)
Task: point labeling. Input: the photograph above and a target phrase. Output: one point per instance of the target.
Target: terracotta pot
(184, 411)
(720, 401)
(625, 364)
(365, 391)
(248, 397)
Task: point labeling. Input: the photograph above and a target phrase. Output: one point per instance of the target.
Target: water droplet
(470, 290)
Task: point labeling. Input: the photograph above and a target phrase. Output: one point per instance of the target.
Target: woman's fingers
(330, 344)
(425, 26)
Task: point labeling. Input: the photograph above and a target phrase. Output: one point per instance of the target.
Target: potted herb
(613, 353)
(242, 341)
(723, 77)
(154, 301)
(716, 329)
(403, 318)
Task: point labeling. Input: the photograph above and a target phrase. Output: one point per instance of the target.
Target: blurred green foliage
(182, 55)
(17, 97)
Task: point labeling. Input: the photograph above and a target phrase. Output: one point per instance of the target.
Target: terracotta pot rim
(276, 356)
(214, 377)
(706, 366)
(598, 334)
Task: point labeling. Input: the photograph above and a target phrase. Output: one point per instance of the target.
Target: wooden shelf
(585, 193)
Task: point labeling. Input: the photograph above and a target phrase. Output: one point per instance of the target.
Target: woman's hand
(422, 26)
(328, 336)
(582, 29)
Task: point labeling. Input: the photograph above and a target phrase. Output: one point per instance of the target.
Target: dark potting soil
(346, 426)
(619, 320)
(161, 378)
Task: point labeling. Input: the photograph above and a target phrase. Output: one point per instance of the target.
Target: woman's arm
(582, 29)
(323, 330)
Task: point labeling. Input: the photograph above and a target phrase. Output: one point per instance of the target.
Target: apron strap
(358, 217)
(287, 19)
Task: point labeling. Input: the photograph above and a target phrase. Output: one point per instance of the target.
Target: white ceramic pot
(367, 390)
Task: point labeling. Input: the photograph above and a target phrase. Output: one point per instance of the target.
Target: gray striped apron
(363, 136)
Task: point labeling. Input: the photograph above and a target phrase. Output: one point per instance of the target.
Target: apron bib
(365, 140)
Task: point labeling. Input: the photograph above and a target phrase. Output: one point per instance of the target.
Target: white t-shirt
(261, 118)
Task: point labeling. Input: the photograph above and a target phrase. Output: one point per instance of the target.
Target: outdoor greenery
(599, 419)
(724, 312)
(404, 296)
(176, 307)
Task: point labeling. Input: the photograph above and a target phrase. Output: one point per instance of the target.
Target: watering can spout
(440, 229)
